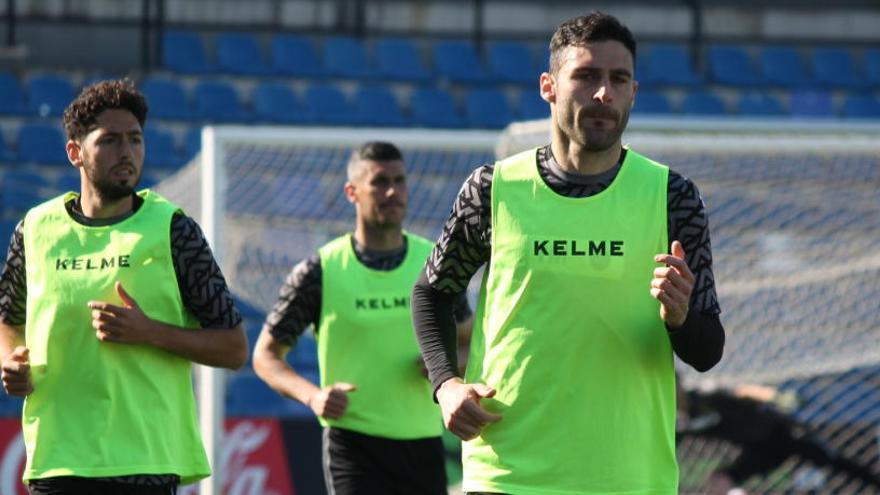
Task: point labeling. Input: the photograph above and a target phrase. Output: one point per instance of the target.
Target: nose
(602, 94)
(125, 148)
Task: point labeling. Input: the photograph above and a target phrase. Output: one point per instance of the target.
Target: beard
(594, 140)
(110, 189)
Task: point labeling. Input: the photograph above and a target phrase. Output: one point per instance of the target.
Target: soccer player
(382, 428)
(107, 298)
(599, 268)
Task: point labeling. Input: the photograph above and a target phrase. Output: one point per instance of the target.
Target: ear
(349, 192)
(547, 86)
(74, 153)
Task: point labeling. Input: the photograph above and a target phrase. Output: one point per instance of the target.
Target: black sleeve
(434, 322)
(461, 308)
(13, 283)
(202, 285)
(700, 340)
(298, 304)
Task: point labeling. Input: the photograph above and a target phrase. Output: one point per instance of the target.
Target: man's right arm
(13, 298)
(298, 306)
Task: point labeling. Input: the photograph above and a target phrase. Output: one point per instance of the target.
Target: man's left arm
(698, 338)
(220, 341)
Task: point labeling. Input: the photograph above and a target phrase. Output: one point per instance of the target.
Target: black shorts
(74, 485)
(359, 464)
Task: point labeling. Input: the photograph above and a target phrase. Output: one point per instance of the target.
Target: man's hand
(672, 286)
(17, 373)
(331, 402)
(121, 324)
(460, 404)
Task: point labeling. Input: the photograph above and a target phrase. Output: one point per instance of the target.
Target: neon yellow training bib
(567, 332)
(100, 409)
(366, 338)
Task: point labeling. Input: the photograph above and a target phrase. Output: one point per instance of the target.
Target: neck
(378, 239)
(572, 157)
(94, 206)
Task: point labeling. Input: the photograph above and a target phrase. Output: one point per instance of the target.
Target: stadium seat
(651, 102)
(783, 66)
(240, 54)
(277, 103)
(41, 143)
(294, 56)
(67, 181)
(346, 58)
(671, 65)
(160, 150)
(12, 100)
(21, 190)
(531, 105)
(809, 103)
(487, 108)
(7, 227)
(192, 143)
(398, 59)
(759, 104)
(6, 154)
(434, 107)
(184, 52)
(702, 103)
(835, 68)
(458, 61)
(328, 105)
(166, 98)
(512, 62)
(49, 95)
(217, 101)
(861, 106)
(376, 105)
(872, 67)
(731, 65)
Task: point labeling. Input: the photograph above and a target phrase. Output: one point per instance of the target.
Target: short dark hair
(81, 116)
(593, 27)
(374, 151)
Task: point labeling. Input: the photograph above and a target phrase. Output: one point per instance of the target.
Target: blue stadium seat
(458, 61)
(434, 107)
(161, 150)
(376, 105)
(49, 95)
(21, 190)
(6, 154)
(217, 101)
(671, 64)
(239, 53)
(512, 62)
(643, 75)
(166, 98)
(7, 227)
(398, 59)
(345, 57)
(328, 105)
(12, 100)
(41, 143)
(487, 108)
(532, 106)
(783, 66)
(703, 103)
(731, 65)
(872, 67)
(835, 68)
(810, 103)
(861, 106)
(67, 181)
(759, 104)
(277, 103)
(184, 52)
(651, 102)
(295, 56)
(192, 143)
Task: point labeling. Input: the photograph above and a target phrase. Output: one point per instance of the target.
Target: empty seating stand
(458, 62)
(433, 107)
(167, 99)
(184, 52)
(783, 66)
(731, 65)
(398, 59)
(512, 62)
(240, 54)
(295, 56)
(48, 95)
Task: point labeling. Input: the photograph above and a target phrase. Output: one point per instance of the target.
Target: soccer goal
(795, 221)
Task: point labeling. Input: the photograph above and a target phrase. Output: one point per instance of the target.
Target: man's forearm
(222, 348)
(699, 342)
(11, 336)
(435, 328)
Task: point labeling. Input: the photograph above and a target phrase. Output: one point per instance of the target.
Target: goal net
(795, 216)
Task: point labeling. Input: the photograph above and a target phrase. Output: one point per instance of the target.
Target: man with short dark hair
(117, 295)
(382, 429)
(570, 387)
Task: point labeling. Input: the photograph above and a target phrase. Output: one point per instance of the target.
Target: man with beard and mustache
(598, 270)
(117, 295)
(382, 428)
